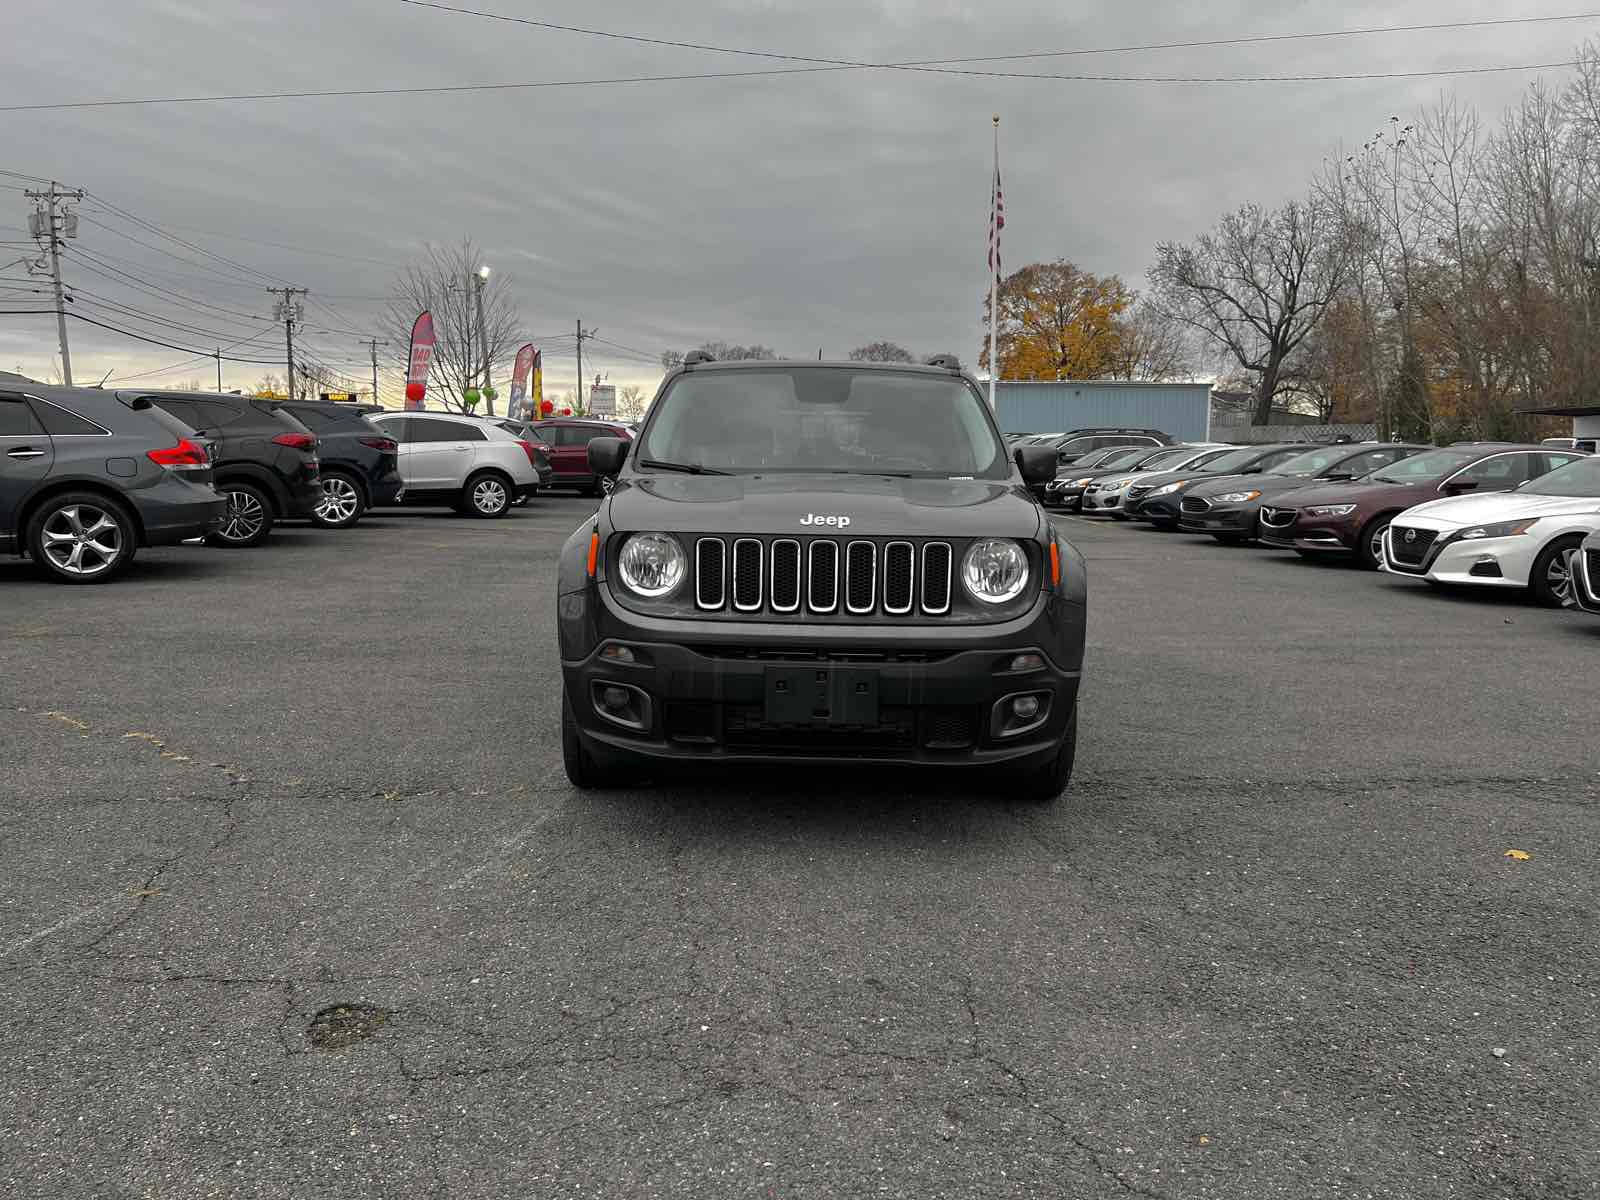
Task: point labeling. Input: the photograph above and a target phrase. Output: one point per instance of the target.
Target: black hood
(1267, 485)
(876, 506)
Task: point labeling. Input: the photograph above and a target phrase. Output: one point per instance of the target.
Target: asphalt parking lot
(1269, 944)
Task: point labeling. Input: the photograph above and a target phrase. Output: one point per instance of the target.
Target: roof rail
(695, 357)
(948, 361)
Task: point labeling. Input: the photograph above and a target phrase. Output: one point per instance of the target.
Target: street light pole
(483, 338)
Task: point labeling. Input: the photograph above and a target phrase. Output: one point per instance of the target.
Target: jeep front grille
(823, 577)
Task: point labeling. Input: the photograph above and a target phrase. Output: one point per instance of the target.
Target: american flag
(997, 219)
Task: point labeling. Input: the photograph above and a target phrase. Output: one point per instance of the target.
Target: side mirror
(1456, 487)
(1339, 475)
(1037, 463)
(607, 454)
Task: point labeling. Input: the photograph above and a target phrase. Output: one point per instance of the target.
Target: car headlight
(1330, 510)
(652, 564)
(995, 571)
(1084, 482)
(1237, 497)
(1169, 488)
(1116, 485)
(1503, 529)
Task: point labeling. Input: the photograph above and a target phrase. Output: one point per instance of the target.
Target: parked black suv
(265, 461)
(1070, 447)
(87, 477)
(359, 463)
(821, 562)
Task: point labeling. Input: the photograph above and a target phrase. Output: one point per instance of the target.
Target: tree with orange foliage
(1059, 322)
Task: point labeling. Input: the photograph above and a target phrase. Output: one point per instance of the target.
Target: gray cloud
(800, 211)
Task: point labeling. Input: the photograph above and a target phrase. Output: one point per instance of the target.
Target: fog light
(614, 698)
(1025, 707)
(617, 654)
(1027, 662)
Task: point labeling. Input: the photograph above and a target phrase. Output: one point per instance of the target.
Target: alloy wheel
(244, 518)
(339, 500)
(1558, 575)
(82, 540)
(489, 496)
(1375, 545)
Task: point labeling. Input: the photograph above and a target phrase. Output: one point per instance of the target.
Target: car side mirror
(1037, 463)
(1456, 487)
(1339, 475)
(606, 455)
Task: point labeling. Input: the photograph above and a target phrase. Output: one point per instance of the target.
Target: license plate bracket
(821, 696)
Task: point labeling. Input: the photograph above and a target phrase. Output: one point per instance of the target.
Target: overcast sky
(804, 211)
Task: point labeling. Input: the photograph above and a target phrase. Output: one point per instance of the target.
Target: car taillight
(298, 441)
(185, 456)
(387, 445)
(528, 448)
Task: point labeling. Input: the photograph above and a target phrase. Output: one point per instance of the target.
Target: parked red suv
(568, 439)
(1349, 518)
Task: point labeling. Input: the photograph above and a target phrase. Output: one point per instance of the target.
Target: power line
(77, 316)
(447, 89)
(1438, 26)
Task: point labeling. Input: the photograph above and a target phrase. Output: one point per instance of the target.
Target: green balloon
(491, 394)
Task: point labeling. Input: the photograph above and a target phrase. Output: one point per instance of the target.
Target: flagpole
(994, 273)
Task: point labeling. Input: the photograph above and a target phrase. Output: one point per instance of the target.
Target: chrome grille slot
(747, 575)
(899, 570)
(710, 571)
(860, 576)
(1278, 518)
(785, 593)
(936, 577)
(822, 576)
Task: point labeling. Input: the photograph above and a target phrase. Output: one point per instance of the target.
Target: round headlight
(995, 571)
(652, 564)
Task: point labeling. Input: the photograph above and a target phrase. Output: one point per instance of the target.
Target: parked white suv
(1516, 539)
(463, 462)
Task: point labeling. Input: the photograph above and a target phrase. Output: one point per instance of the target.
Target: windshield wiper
(686, 468)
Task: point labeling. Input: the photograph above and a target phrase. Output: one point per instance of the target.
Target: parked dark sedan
(359, 463)
(1066, 489)
(1229, 510)
(1345, 519)
(87, 477)
(265, 461)
(1156, 499)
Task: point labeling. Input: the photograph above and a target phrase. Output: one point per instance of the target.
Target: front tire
(1369, 547)
(81, 537)
(583, 772)
(342, 503)
(1042, 785)
(486, 495)
(248, 520)
(1550, 580)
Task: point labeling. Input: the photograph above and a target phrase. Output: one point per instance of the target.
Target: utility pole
(288, 312)
(217, 354)
(582, 333)
(47, 221)
(373, 344)
(481, 279)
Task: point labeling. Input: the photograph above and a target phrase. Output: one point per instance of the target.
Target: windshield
(1581, 478)
(1119, 458)
(824, 419)
(1170, 458)
(1234, 459)
(1096, 458)
(1313, 462)
(1429, 465)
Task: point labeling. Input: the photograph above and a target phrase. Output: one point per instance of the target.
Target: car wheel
(341, 505)
(1369, 547)
(1550, 581)
(582, 770)
(248, 520)
(1041, 785)
(81, 537)
(486, 495)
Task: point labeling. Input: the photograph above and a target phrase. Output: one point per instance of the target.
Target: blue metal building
(1180, 409)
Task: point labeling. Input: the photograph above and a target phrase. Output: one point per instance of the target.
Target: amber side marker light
(594, 551)
(1055, 565)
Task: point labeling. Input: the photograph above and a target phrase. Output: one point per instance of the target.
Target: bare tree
(1255, 286)
(443, 283)
(1154, 347)
(882, 352)
(632, 401)
(722, 352)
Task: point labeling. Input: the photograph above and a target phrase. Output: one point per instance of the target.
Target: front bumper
(902, 695)
(1239, 521)
(1584, 565)
(1101, 504)
(1311, 536)
(1069, 497)
(1162, 510)
(1486, 562)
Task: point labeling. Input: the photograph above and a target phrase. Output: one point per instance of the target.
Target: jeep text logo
(816, 519)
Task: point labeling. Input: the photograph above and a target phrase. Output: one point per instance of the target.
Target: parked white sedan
(1516, 539)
